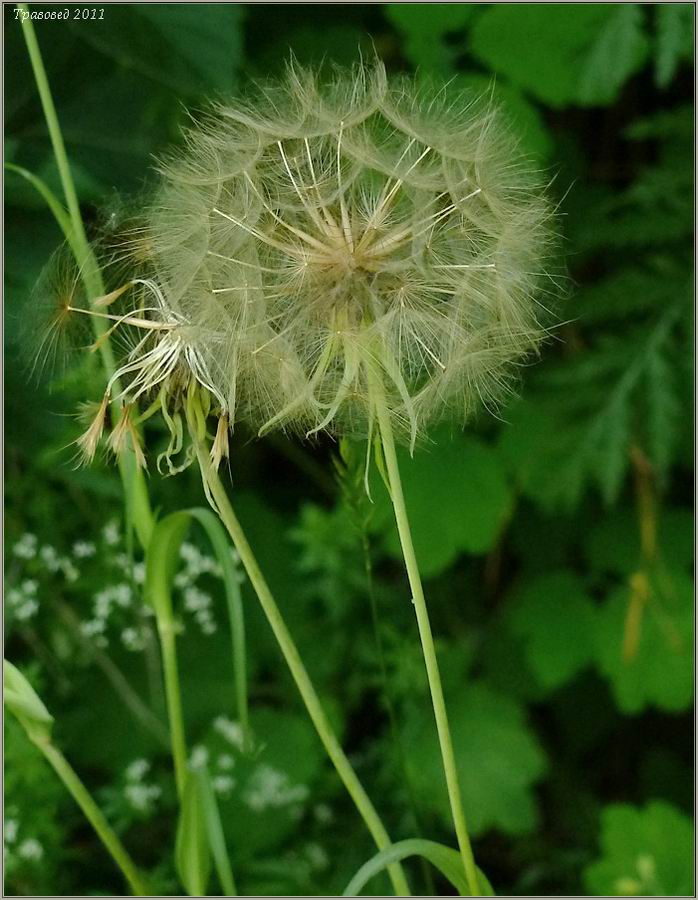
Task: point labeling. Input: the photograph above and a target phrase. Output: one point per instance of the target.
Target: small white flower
(223, 784)
(84, 549)
(111, 533)
(30, 849)
(138, 573)
(133, 639)
(199, 757)
(231, 731)
(225, 761)
(29, 586)
(92, 627)
(25, 548)
(26, 610)
(136, 770)
(50, 558)
(323, 813)
(195, 600)
(270, 788)
(10, 831)
(142, 796)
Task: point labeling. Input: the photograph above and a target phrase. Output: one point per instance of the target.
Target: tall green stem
(131, 475)
(166, 630)
(95, 816)
(426, 637)
(219, 501)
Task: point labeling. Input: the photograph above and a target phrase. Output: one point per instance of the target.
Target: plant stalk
(219, 501)
(175, 717)
(132, 477)
(426, 637)
(95, 816)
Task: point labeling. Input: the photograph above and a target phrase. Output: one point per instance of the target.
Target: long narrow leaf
(222, 549)
(214, 830)
(445, 859)
(192, 851)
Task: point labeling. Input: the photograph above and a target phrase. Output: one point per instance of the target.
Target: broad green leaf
(20, 698)
(425, 26)
(674, 39)
(499, 760)
(445, 859)
(644, 642)
(563, 54)
(619, 51)
(645, 852)
(457, 501)
(555, 617)
(192, 851)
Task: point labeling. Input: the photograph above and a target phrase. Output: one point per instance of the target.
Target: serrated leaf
(674, 40)
(499, 760)
(646, 852)
(556, 619)
(644, 641)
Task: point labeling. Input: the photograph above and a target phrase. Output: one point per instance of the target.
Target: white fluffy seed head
(321, 238)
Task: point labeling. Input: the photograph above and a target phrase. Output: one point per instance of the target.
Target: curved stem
(95, 816)
(218, 499)
(426, 637)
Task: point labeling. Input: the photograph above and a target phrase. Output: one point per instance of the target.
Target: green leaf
(214, 831)
(498, 758)
(619, 51)
(161, 561)
(563, 53)
(674, 40)
(555, 617)
(445, 859)
(644, 642)
(192, 851)
(424, 27)
(20, 698)
(457, 501)
(645, 852)
(179, 46)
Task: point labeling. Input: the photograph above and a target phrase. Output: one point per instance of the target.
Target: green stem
(93, 813)
(219, 501)
(426, 637)
(166, 630)
(131, 475)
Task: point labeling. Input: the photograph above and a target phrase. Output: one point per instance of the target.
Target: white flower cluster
(29, 849)
(140, 795)
(22, 600)
(269, 788)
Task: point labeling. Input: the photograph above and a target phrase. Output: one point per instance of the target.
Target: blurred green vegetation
(557, 541)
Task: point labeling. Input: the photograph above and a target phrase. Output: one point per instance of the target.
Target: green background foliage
(555, 539)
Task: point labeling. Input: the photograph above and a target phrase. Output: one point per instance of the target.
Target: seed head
(320, 239)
